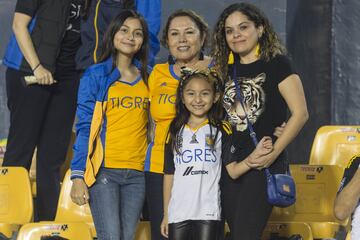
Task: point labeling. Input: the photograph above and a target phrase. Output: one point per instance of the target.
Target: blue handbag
(281, 191)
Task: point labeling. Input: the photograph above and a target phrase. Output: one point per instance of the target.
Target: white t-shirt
(195, 194)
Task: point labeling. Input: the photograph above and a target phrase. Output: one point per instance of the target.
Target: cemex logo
(189, 171)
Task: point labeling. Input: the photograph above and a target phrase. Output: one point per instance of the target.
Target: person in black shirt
(46, 38)
(250, 57)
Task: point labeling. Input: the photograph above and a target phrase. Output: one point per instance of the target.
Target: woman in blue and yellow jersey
(107, 168)
(185, 35)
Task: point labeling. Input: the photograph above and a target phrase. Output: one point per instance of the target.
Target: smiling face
(130, 37)
(198, 97)
(241, 34)
(184, 39)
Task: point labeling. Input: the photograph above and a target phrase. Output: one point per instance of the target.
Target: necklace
(193, 137)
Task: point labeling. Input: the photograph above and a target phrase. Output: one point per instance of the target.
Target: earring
(231, 58)
(257, 50)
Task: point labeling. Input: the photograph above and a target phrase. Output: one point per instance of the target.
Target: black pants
(154, 199)
(245, 206)
(42, 117)
(194, 229)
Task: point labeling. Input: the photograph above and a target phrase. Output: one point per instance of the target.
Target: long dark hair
(215, 114)
(270, 44)
(109, 50)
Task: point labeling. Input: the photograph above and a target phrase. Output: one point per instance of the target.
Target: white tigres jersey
(195, 194)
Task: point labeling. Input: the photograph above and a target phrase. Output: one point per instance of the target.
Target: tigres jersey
(163, 84)
(126, 125)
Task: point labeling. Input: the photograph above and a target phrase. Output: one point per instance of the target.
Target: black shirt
(71, 41)
(265, 107)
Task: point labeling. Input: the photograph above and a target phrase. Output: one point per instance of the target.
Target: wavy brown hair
(270, 44)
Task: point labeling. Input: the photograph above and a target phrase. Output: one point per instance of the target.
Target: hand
(43, 76)
(259, 158)
(164, 227)
(79, 192)
(279, 130)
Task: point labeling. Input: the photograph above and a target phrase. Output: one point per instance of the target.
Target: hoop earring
(171, 59)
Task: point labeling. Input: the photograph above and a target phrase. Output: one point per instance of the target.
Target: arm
(292, 91)
(20, 28)
(168, 182)
(347, 200)
(151, 10)
(236, 169)
(85, 108)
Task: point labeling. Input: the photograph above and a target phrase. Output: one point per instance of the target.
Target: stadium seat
(348, 236)
(316, 189)
(52, 230)
(274, 229)
(335, 145)
(67, 211)
(16, 203)
(143, 231)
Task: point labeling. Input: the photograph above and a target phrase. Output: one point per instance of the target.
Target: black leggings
(194, 229)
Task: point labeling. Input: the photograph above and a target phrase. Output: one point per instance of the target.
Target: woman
(109, 153)
(269, 86)
(185, 36)
(46, 38)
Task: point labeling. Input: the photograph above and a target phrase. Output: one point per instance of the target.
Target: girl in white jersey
(198, 142)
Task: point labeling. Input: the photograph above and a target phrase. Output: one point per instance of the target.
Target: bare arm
(347, 200)
(292, 91)
(236, 169)
(20, 28)
(168, 183)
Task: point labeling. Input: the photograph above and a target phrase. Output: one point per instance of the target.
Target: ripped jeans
(116, 201)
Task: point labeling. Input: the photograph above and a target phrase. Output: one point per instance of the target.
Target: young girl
(198, 142)
(109, 153)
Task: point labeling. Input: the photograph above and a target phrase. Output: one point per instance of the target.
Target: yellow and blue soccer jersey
(126, 125)
(163, 84)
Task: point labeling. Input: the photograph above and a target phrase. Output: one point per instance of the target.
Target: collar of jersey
(199, 126)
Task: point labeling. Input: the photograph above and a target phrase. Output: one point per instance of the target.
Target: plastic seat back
(67, 211)
(274, 229)
(316, 189)
(16, 203)
(55, 231)
(335, 145)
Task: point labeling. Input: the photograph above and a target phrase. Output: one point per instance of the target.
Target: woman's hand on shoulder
(79, 192)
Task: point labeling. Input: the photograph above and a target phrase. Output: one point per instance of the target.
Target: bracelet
(36, 67)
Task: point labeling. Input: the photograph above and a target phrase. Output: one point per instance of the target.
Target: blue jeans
(116, 201)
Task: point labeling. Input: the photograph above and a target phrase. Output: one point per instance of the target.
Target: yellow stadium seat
(287, 230)
(316, 188)
(348, 236)
(335, 145)
(46, 230)
(143, 231)
(16, 203)
(67, 211)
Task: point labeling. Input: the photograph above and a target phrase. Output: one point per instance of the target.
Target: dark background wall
(323, 41)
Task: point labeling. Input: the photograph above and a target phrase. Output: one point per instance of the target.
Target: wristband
(36, 67)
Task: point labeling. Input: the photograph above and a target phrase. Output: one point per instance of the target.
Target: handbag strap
(250, 126)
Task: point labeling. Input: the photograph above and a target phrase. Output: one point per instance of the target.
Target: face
(184, 39)
(241, 34)
(198, 97)
(129, 38)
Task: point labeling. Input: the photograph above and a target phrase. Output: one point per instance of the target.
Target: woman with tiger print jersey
(269, 86)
